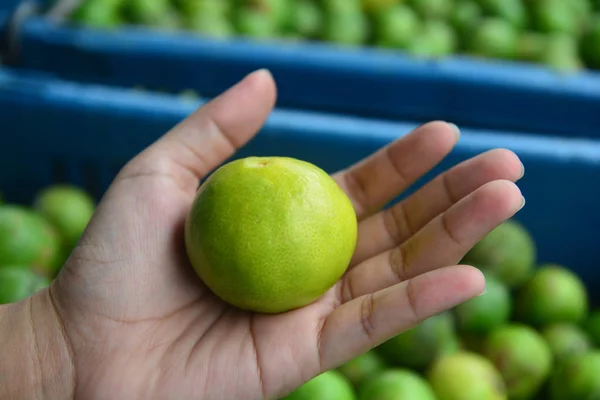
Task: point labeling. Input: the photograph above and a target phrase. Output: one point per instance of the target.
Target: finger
(444, 241)
(391, 227)
(210, 135)
(370, 320)
(373, 182)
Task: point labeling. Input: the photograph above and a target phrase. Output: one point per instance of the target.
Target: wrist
(36, 359)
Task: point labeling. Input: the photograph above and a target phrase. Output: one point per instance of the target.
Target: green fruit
(270, 234)
(256, 23)
(566, 341)
(592, 326)
(436, 38)
(532, 46)
(330, 385)
(497, 38)
(523, 358)
(376, 6)
(466, 376)
(555, 16)
(68, 208)
(101, 14)
(26, 238)
(18, 283)
(420, 346)
(157, 13)
(577, 378)
(432, 8)
(512, 11)
(396, 384)
(465, 17)
(307, 20)
(508, 252)
(347, 28)
(216, 27)
(362, 367)
(395, 27)
(562, 53)
(341, 6)
(487, 312)
(212, 8)
(554, 294)
(590, 44)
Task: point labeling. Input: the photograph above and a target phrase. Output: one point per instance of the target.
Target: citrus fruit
(270, 234)
(394, 27)
(26, 238)
(420, 346)
(363, 367)
(18, 283)
(68, 208)
(396, 384)
(507, 252)
(330, 385)
(566, 340)
(483, 314)
(522, 356)
(577, 378)
(466, 376)
(554, 294)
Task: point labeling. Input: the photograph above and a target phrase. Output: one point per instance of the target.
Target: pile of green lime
(36, 239)
(532, 335)
(563, 34)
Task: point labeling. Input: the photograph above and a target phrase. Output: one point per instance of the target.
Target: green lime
(307, 20)
(562, 53)
(212, 26)
(330, 385)
(532, 46)
(256, 23)
(487, 312)
(363, 367)
(554, 294)
(18, 283)
(435, 39)
(555, 16)
(465, 17)
(376, 6)
(395, 27)
(566, 340)
(497, 38)
(68, 208)
(432, 8)
(418, 347)
(523, 358)
(396, 384)
(349, 28)
(508, 252)
(26, 238)
(466, 376)
(511, 11)
(577, 378)
(101, 14)
(270, 234)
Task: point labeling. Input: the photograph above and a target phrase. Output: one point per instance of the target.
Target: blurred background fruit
(564, 35)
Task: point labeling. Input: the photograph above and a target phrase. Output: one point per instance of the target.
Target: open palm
(141, 325)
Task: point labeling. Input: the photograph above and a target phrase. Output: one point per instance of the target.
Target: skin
(128, 319)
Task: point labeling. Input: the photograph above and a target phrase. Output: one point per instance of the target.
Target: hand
(141, 325)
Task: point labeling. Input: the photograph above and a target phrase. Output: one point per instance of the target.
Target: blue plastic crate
(318, 76)
(56, 131)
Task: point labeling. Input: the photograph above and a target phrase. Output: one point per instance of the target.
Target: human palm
(141, 325)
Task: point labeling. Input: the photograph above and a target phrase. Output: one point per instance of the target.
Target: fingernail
(522, 203)
(482, 293)
(522, 170)
(455, 129)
